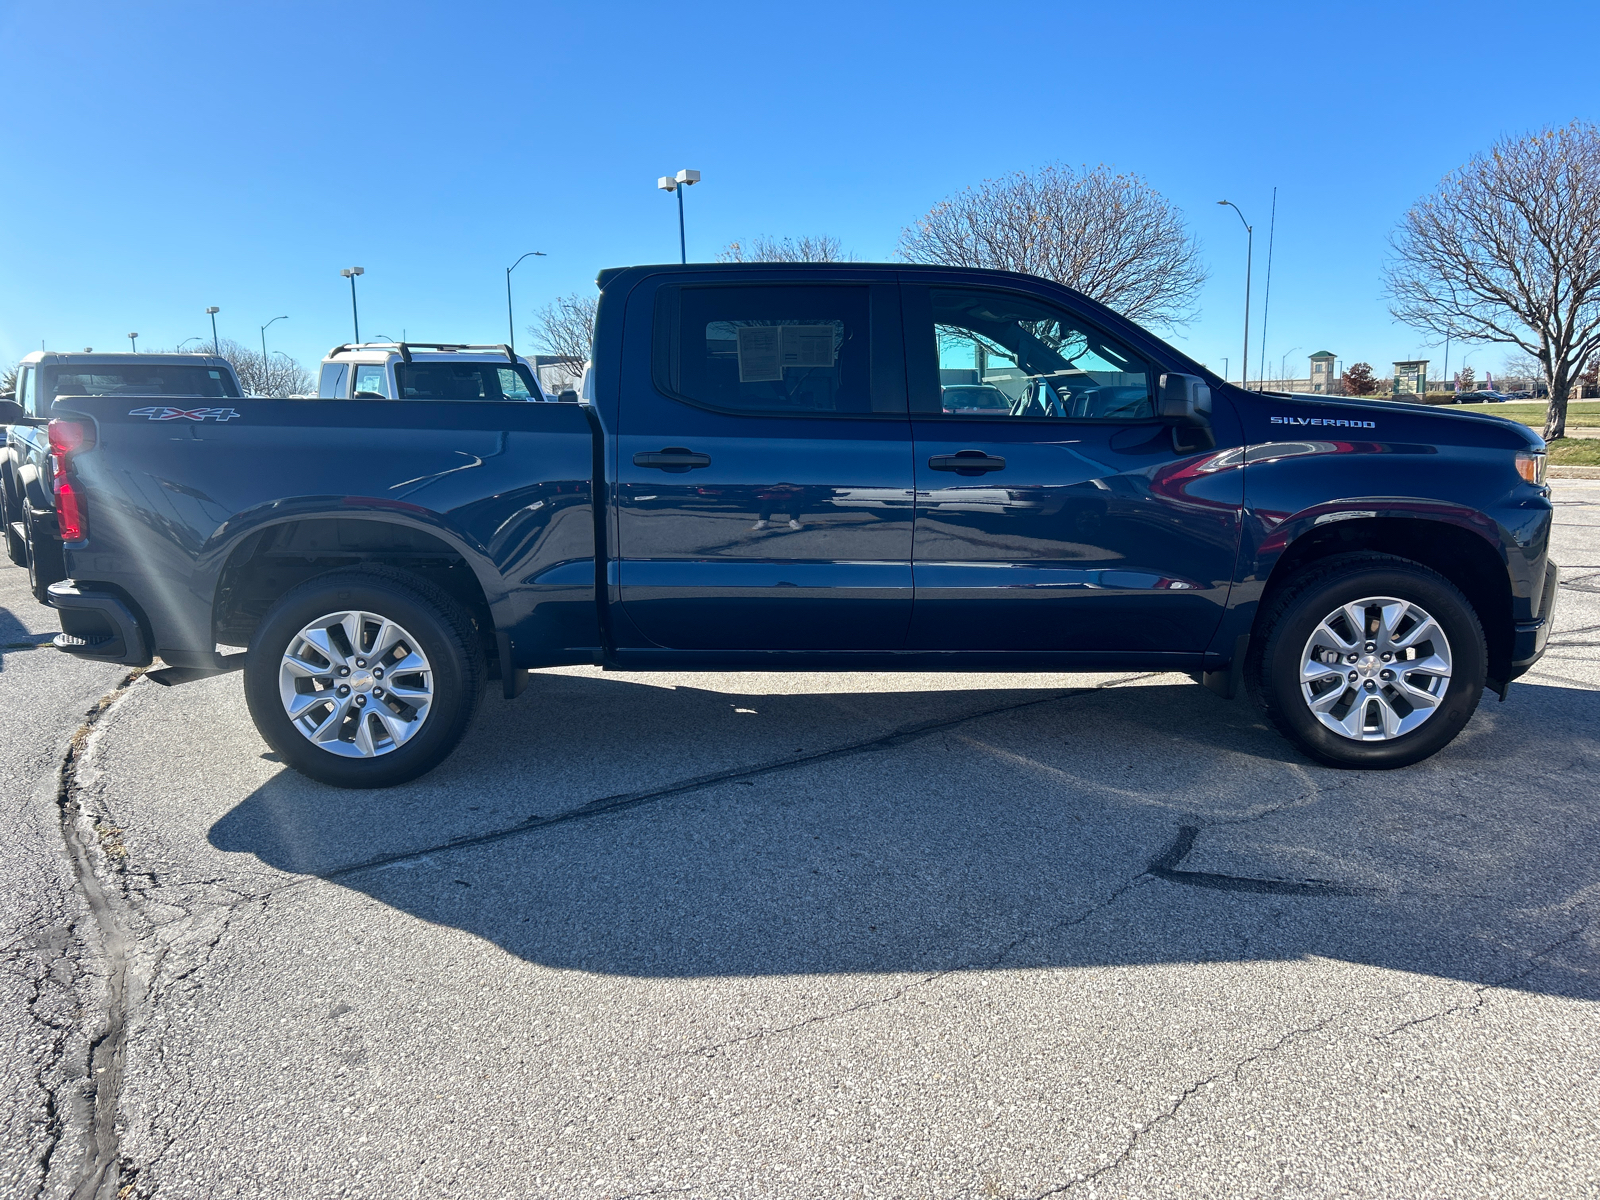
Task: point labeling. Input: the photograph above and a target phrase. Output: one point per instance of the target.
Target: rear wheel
(364, 679)
(11, 518)
(1368, 660)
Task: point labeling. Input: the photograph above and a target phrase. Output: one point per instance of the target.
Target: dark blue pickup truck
(824, 467)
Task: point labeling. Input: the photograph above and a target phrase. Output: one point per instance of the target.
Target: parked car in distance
(767, 479)
(975, 398)
(1480, 397)
(426, 371)
(27, 483)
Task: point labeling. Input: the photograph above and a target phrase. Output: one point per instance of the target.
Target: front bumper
(1528, 638)
(98, 626)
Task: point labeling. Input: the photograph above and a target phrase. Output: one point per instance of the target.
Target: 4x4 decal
(159, 413)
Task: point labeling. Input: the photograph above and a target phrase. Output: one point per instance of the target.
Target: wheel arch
(263, 564)
(1467, 558)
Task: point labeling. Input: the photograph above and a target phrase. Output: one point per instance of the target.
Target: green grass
(1585, 413)
(1574, 452)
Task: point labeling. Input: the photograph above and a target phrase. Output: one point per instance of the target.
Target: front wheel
(364, 679)
(1369, 661)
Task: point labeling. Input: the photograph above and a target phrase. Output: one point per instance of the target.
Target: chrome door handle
(673, 458)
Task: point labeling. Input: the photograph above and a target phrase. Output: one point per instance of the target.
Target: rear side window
(332, 384)
(104, 379)
(464, 381)
(779, 348)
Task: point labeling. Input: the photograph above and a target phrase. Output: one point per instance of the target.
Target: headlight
(1530, 466)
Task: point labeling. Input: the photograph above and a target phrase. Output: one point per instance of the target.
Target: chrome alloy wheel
(355, 684)
(1375, 669)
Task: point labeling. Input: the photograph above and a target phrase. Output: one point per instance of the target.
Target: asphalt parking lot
(804, 936)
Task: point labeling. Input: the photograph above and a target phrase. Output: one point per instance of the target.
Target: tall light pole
(1283, 362)
(676, 183)
(212, 313)
(350, 273)
(134, 339)
(264, 348)
(185, 342)
(1249, 250)
(511, 327)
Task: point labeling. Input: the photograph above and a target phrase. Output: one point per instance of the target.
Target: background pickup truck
(27, 488)
(784, 467)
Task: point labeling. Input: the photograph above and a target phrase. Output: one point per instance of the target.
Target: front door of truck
(1053, 510)
(764, 479)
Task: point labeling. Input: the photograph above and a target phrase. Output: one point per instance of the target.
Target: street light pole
(264, 349)
(350, 273)
(1249, 251)
(184, 343)
(134, 338)
(676, 183)
(212, 313)
(511, 326)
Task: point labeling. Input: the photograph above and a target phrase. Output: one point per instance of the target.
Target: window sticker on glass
(765, 350)
(760, 353)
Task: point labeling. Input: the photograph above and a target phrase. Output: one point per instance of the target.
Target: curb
(1573, 473)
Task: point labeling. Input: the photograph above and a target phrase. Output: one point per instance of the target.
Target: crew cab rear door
(1066, 519)
(764, 480)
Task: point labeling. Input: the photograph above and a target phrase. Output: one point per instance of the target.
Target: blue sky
(168, 156)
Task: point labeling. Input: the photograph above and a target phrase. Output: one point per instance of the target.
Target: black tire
(46, 560)
(1272, 671)
(10, 514)
(445, 635)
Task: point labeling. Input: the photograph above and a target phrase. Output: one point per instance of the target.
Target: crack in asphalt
(93, 1109)
(1481, 990)
(1142, 1130)
(626, 800)
(990, 963)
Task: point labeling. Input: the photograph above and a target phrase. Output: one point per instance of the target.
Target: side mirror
(12, 413)
(1185, 399)
(1185, 402)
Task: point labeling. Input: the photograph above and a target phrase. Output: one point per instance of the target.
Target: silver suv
(427, 371)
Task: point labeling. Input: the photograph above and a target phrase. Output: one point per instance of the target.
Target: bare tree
(278, 376)
(566, 326)
(823, 248)
(1109, 235)
(8, 379)
(1508, 251)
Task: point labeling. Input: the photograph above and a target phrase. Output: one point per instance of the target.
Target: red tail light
(66, 439)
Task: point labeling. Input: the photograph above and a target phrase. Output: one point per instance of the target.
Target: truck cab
(27, 483)
(427, 371)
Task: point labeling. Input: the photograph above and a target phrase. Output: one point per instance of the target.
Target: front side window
(105, 379)
(372, 382)
(27, 395)
(1001, 355)
(779, 349)
(463, 381)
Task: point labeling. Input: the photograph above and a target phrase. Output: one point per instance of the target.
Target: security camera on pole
(676, 183)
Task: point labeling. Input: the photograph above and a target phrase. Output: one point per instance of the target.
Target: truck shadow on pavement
(612, 826)
(16, 637)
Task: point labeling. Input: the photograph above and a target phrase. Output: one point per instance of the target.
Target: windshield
(157, 379)
(465, 381)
